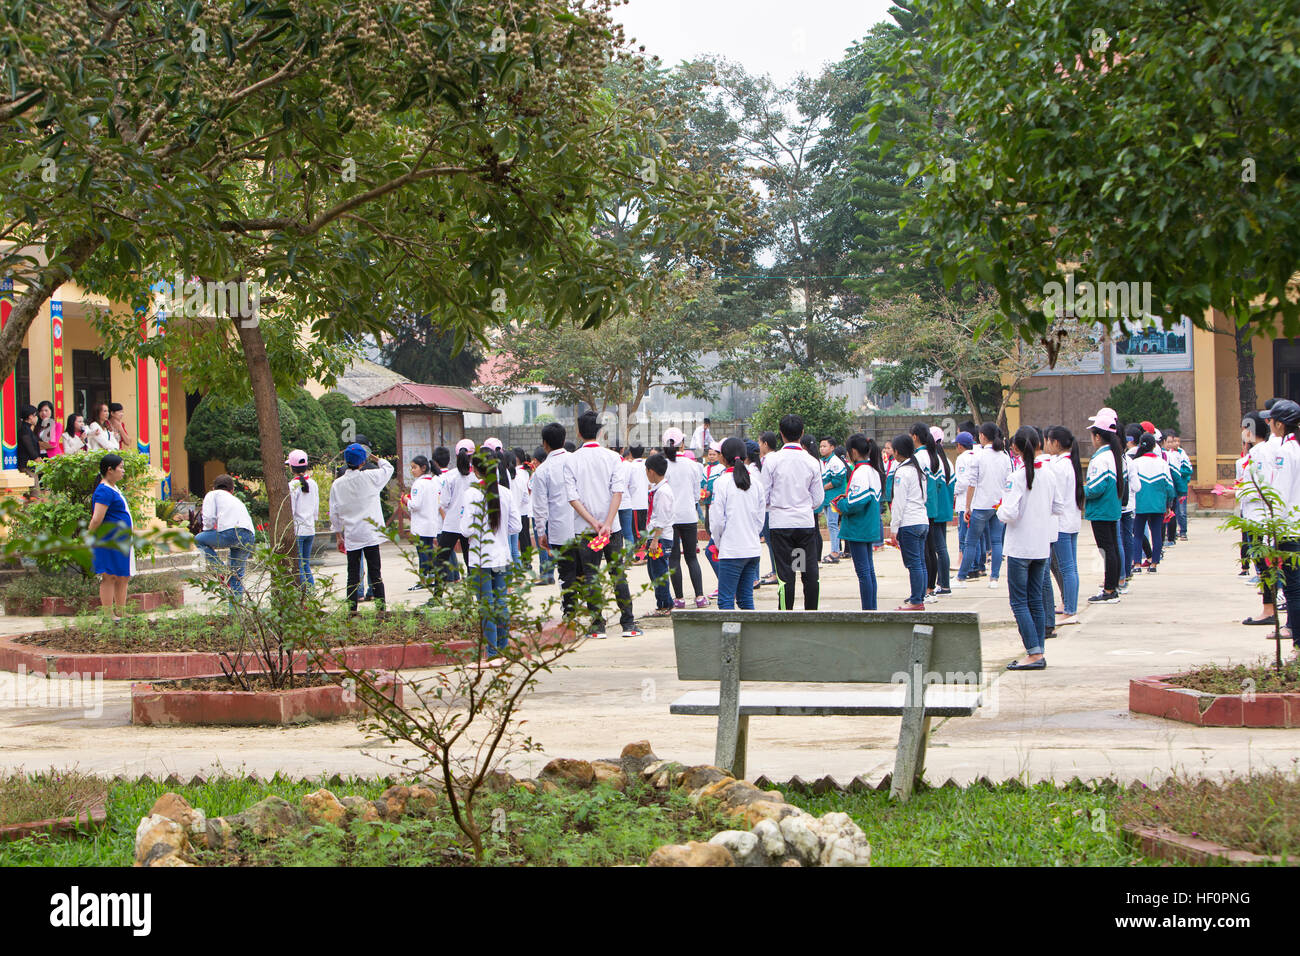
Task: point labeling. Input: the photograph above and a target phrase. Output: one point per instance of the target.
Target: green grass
(79, 588)
(1261, 678)
(1007, 826)
(25, 798)
(597, 827)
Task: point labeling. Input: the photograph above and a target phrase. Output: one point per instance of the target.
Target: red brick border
(95, 816)
(1162, 843)
(1152, 695)
(156, 705)
(180, 664)
(66, 607)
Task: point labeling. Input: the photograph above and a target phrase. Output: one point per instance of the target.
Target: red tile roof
(441, 397)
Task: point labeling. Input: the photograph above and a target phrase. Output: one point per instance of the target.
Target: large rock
(156, 837)
(801, 840)
(359, 808)
(843, 842)
(271, 818)
(175, 807)
(394, 801)
(744, 847)
(691, 854)
(422, 802)
(322, 807)
(636, 757)
(770, 840)
(638, 749)
(609, 774)
(498, 781)
(570, 773)
(699, 777)
(218, 834)
(753, 813)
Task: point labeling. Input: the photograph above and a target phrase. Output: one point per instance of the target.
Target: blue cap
(751, 447)
(355, 455)
(965, 438)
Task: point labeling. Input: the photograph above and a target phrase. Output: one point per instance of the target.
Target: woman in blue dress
(114, 557)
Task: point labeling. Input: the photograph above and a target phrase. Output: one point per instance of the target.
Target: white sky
(778, 37)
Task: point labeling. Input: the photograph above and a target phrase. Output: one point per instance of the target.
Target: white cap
(674, 436)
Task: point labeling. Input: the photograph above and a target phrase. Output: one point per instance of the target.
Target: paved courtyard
(1070, 720)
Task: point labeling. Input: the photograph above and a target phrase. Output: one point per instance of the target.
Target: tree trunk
(265, 400)
(1246, 387)
(971, 406)
(67, 263)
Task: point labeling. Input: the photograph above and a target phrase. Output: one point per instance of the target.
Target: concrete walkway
(1070, 720)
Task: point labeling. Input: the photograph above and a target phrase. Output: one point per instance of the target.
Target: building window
(91, 381)
(530, 410)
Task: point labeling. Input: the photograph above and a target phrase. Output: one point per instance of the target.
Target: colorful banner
(161, 289)
(142, 391)
(56, 359)
(8, 394)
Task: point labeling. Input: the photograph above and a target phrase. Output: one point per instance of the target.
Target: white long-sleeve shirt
(1070, 520)
(1027, 513)
(638, 486)
(908, 508)
(451, 498)
(522, 486)
(488, 548)
(222, 511)
(552, 513)
(661, 514)
(305, 506)
(426, 522)
(988, 474)
(594, 475)
(961, 468)
(685, 477)
(354, 505)
(793, 480)
(736, 518)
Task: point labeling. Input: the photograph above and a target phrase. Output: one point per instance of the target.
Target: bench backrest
(852, 647)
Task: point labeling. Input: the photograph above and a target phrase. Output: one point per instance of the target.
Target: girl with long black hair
(859, 509)
(736, 513)
(489, 520)
(684, 476)
(909, 524)
(1105, 493)
(938, 506)
(1152, 488)
(1026, 510)
(451, 502)
(1063, 448)
(426, 523)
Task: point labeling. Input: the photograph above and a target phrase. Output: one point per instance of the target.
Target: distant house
(362, 379)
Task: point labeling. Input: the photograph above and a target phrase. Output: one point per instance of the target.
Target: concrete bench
(932, 657)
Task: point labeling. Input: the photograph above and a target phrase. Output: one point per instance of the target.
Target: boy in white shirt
(356, 516)
(792, 480)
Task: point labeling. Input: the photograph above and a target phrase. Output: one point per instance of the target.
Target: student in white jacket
(735, 522)
(488, 518)
(909, 524)
(304, 503)
(356, 516)
(426, 521)
(1027, 510)
(451, 503)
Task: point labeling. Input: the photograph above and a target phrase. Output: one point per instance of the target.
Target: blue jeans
(1180, 514)
(982, 520)
(833, 527)
(1155, 521)
(545, 561)
(767, 536)
(514, 549)
(1066, 551)
(304, 559)
(864, 563)
(736, 577)
(911, 541)
(1130, 544)
(1049, 598)
(490, 583)
(240, 543)
(658, 570)
(629, 528)
(1025, 587)
(424, 552)
(1291, 588)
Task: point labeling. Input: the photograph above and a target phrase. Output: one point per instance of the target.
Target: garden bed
(1237, 696)
(53, 595)
(50, 804)
(212, 700)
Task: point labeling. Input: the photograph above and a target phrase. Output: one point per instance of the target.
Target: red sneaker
(910, 607)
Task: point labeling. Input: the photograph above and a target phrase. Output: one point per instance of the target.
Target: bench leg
(742, 747)
(909, 764)
(729, 751)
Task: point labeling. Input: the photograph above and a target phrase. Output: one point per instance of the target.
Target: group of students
(41, 436)
(1270, 465)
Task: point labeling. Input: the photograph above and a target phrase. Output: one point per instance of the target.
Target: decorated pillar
(142, 391)
(8, 392)
(56, 360)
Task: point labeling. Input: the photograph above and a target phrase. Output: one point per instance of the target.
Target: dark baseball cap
(1284, 410)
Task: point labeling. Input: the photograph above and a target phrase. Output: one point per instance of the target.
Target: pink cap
(296, 457)
(675, 436)
(715, 446)
(688, 454)
(936, 433)
(493, 443)
(1105, 419)
(464, 445)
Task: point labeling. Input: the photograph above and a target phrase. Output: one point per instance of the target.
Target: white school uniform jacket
(552, 514)
(736, 517)
(1252, 468)
(908, 508)
(1027, 513)
(522, 485)
(685, 477)
(354, 505)
(1070, 520)
(488, 548)
(593, 475)
(451, 498)
(661, 515)
(305, 506)
(638, 486)
(222, 511)
(793, 480)
(962, 474)
(988, 473)
(1284, 467)
(426, 522)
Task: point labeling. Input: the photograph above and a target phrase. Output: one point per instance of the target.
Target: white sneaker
(597, 635)
(993, 584)
(931, 598)
(1067, 619)
(959, 585)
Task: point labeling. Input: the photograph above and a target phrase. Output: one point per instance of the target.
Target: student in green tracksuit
(1105, 492)
(938, 506)
(859, 510)
(1152, 487)
(835, 479)
(1180, 467)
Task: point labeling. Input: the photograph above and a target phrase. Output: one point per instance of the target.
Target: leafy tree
(346, 157)
(229, 433)
(1139, 399)
(423, 352)
(1135, 141)
(377, 424)
(800, 393)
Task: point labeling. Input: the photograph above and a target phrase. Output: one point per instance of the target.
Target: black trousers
(686, 542)
(444, 559)
(567, 566)
(937, 562)
(371, 555)
(1106, 534)
(802, 548)
(588, 563)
